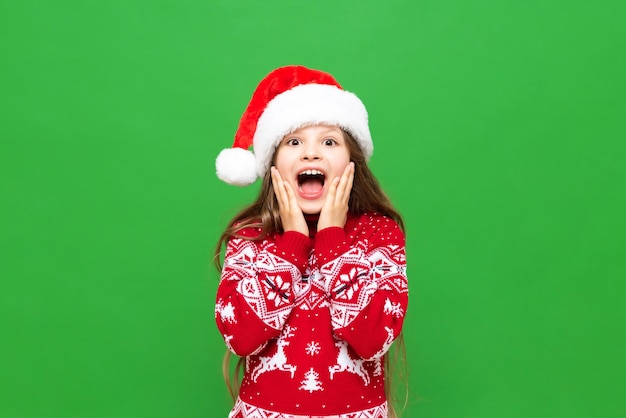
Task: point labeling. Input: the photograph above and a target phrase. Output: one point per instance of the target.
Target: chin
(309, 208)
(311, 212)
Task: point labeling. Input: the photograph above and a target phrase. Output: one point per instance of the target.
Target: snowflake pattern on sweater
(314, 316)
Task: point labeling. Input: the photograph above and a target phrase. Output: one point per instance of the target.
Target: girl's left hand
(335, 209)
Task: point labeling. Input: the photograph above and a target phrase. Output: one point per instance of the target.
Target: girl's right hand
(291, 215)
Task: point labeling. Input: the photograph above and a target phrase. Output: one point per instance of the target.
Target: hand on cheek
(291, 215)
(335, 209)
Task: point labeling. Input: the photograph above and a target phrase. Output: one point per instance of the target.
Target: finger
(279, 188)
(343, 189)
(332, 192)
(349, 184)
(291, 197)
(275, 181)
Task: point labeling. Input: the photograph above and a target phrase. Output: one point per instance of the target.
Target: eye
(293, 141)
(329, 142)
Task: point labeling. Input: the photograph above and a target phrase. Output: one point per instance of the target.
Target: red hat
(289, 98)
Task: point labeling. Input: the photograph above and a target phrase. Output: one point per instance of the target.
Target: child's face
(309, 159)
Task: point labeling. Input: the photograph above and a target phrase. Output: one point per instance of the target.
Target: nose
(310, 152)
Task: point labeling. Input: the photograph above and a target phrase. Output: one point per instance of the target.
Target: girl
(313, 289)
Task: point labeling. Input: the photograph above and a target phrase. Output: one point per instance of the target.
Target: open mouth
(311, 182)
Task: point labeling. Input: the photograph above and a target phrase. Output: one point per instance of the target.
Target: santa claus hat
(289, 98)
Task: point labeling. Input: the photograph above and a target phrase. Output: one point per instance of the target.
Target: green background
(499, 129)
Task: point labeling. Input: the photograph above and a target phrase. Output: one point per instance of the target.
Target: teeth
(312, 173)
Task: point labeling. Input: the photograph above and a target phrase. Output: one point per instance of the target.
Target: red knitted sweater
(314, 317)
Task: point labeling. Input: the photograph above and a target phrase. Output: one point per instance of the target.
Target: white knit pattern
(260, 277)
(245, 410)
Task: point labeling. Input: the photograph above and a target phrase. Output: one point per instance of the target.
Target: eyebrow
(331, 129)
(334, 130)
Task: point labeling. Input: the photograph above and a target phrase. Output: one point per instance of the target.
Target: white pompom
(236, 166)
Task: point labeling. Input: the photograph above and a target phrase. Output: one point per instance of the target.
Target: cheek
(342, 162)
(286, 174)
(281, 163)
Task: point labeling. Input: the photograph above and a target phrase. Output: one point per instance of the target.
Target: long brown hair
(366, 196)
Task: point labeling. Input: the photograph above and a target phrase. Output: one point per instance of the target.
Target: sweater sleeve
(255, 297)
(366, 284)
